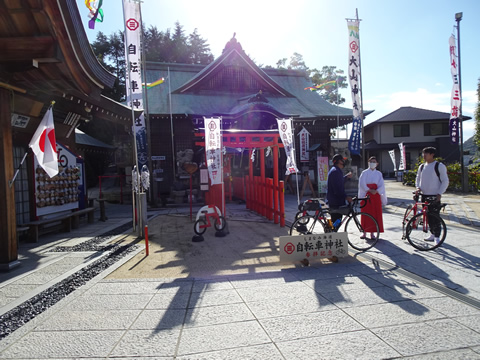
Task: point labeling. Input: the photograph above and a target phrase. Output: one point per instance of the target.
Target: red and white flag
(44, 144)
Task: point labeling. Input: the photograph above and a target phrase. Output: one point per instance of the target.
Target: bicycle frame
(207, 216)
(414, 211)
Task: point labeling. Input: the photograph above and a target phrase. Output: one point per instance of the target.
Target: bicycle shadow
(421, 263)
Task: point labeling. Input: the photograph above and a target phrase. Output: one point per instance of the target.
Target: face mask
(372, 165)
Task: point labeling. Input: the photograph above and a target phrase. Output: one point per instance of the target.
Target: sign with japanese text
(213, 147)
(322, 171)
(402, 165)
(133, 75)
(304, 145)
(455, 101)
(285, 132)
(354, 80)
(392, 156)
(313, 246)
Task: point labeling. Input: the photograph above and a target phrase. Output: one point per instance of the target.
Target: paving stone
(471, 321)
(360, 297)
(63, 344)
(160, 319)
(90, 320)
(401, 312)
(294, 290)
(342, 283)
(255, 352)
(169, 300)
(309, 325)
(121, 288)
(210, 298)
(306, 303)
(349, 345)
(219, 314)
(137, 343)
(449, 306)
(420, 338)
(109, 302)
(220, 337)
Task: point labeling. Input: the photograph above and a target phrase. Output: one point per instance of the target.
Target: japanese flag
(44, 145)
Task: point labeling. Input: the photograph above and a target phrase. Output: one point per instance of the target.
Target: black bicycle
(355, 223)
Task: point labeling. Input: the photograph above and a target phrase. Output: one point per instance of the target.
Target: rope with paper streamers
(96, 13)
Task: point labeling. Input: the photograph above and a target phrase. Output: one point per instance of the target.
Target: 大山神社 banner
(354, 80)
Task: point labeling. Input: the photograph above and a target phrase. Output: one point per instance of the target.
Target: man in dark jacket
(336, 186)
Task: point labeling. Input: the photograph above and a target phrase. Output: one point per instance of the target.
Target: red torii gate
(263, 195)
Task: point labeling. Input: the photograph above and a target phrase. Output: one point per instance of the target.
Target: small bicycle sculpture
(203, 219)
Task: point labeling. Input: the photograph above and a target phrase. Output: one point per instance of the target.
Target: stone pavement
(229, 298)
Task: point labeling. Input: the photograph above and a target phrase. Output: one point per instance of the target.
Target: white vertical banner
(285, 131)
(133, 74)
(213, 148)
(322, 171)
(402, 165)
(455, 100)
(304, 145)
(354, 80)
(392, 156)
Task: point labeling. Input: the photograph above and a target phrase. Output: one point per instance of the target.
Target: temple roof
(230, 86)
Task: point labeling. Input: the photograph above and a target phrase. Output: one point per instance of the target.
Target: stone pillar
(8, 220)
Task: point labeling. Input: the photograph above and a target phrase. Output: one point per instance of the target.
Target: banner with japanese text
(354, 80)
(455, 101)
(285, 132)
(133, 75)
(304, 145)
(392, 156)
(322, 172)
(402, 165)
(213, 147)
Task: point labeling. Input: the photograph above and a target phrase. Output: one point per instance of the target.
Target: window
(435, 129)
(401, 130)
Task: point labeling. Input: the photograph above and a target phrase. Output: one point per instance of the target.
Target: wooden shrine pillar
(8, 220)
(263, 209)
(275, 180)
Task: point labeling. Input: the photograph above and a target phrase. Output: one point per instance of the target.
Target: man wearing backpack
(432, 182)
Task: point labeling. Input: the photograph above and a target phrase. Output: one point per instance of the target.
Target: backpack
(436, 170)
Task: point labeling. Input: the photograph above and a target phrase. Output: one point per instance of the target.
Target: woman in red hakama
(371, 184)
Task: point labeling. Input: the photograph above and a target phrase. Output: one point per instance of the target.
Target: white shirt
(369, 176)
(428, 182)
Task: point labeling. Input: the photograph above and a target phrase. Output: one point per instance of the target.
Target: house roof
(409, 113)
(228, 85)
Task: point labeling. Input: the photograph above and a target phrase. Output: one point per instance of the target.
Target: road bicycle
(417, 220)
(320, 222)
(203, 221)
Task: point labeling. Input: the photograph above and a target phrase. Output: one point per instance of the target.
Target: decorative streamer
(155, 83)
(322, 85)
(96, 12)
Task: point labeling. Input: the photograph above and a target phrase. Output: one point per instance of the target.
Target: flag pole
(361, 92)
(10, 183)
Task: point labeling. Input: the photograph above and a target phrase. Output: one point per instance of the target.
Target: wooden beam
(8, 221)
(26, 48)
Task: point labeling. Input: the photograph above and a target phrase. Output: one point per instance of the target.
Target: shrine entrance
(258, 184)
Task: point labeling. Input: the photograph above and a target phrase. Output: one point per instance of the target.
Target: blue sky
(404, 44)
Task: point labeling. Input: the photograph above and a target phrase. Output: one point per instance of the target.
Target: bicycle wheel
(307, 225)
(355, 232)
(417, 232)
(299, 214)
(198, 226)
(220, 223)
